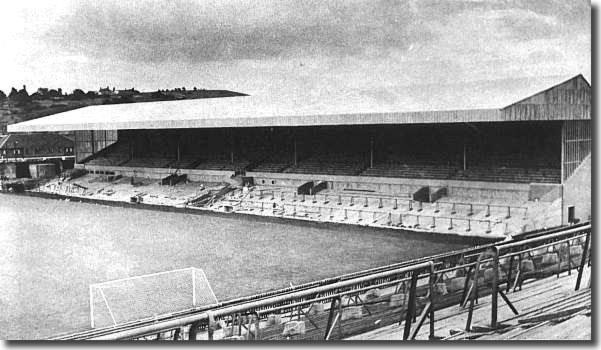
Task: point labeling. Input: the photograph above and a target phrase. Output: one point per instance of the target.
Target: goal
(148, 296)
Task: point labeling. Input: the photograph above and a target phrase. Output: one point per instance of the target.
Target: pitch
(54, 250)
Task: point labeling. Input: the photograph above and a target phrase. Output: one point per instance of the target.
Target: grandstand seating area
(337, 164)
(411, 168)
(223, 164)
(348, 165)
(514, 154)
(148, 162)
(510, 174)
(274, 164)
(186, 162)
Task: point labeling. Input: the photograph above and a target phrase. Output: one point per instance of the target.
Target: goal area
(148, 296)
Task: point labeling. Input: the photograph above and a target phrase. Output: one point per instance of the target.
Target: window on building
(571, 214)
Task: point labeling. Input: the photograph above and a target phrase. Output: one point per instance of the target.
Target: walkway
(549, 309)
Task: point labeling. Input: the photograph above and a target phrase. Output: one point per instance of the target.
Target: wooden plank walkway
(549, 309)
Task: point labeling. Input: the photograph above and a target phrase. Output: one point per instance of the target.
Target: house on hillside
(106, 91)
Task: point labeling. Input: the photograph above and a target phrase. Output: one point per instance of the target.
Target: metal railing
(393, 201)
(327, 293)
(485, 269)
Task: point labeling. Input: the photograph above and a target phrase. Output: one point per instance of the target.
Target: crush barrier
(369, 217)
(387, 201)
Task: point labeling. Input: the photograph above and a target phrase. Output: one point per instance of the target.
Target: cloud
(292, 46)
(196, 32)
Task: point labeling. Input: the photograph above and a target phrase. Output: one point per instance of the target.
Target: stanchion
(587, 243)
(433, 222)
(453, 210)
(451, 224)
(471, 212)
(396, 204)
(325, 200)
(489, 228)
(260, 194)
(352, 201)
(437, 209)
(400, 219)
(345, 215)
(380, 204)
(487, 210)
(410, 205)
(366, 203)
(314, 198)
(294, 198)
(282, 196)
(303, 198)
(339, 200)
(508, 212)
(331, 213)
(411, 305)
(569, 259)
(389, 222)
(421, 207)
(469, 226)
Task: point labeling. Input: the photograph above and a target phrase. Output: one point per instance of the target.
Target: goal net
(147, 296)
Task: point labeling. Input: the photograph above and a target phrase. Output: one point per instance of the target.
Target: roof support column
(464, 155)
(563, 150)
(93, 141)
(295, 153)
(232, 146)
(563, 159)
(178, 150)
(131, 147)
(371, 152)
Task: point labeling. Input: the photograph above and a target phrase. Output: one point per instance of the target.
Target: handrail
(508, 245)
(160, 326)
(440, 261)
(497, 252)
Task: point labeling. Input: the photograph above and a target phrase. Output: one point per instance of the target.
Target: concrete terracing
(448, 215)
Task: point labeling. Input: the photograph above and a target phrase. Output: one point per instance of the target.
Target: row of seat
(346, 165)
(340, 164)
(517, 175)
(148, 162)
(223, 164)
(417, 171)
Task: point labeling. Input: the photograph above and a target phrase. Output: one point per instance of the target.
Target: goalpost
(147, 296)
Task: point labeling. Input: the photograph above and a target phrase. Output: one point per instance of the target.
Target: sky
(372, 49)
